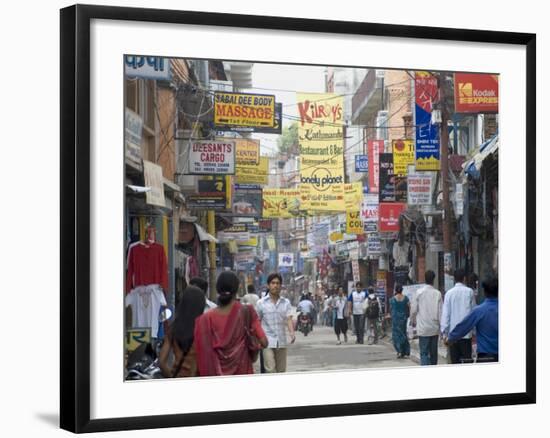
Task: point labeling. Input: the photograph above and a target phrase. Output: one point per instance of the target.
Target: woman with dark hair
(221, 334)
(180, 337)
(400, 311)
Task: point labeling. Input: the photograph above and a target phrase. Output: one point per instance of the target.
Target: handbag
(252, 341)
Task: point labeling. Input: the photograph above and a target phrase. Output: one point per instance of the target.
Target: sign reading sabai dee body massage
(215, 157)
(244, 110)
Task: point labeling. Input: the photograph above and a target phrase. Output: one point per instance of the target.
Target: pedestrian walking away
(275, 314)
(372, 314)
(426, 308)
(400, 310)
(457, 304)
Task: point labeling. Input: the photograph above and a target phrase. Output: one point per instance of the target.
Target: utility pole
(211, 220)
(444, 136)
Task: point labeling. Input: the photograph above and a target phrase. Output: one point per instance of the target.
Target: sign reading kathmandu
(245, 110)
(426, 93)
(321, 138)
(389, 216)
(212, 158)
(476, 93)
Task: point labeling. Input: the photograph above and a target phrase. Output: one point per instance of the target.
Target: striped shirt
(274, 317)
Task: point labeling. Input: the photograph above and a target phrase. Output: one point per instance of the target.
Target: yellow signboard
(320, 134)
(236, 109)
(403, 156)
(253, 241)
(137, 336)
(252, 173)
(247, 151)
(353, 196)
(280, 203)
(335, 236)
(354, 224)
(271, 243)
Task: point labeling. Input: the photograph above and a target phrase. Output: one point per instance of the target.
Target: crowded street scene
(287, 218)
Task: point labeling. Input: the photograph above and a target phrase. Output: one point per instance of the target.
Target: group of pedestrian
(212, 339)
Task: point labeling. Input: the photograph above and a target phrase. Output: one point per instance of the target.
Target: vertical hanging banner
(373, 151)
(426, 93)
(386, 179)
(321, 139)
(369, 213)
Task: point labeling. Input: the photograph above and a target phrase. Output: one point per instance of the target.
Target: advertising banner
(369, 213)
(247, 151)
(147, 67)
(252, 174)
(213, 157)
(212, 195)
(354, 225)
(153, 178)
(280, 203)
(277, 125)
(353, 196)
(476, 93)
(133, 128)
(374, 245)
(248, 110)
(321, 139)
(361, 163)
(403, 155)
(389, 216)
(355, 270)
(427, 135)
(400, 188)
(387, 179)
(419, 189)
(286, 259)
(375, 148)
(247, 203)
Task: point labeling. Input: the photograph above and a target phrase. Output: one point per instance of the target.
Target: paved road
(318, 351)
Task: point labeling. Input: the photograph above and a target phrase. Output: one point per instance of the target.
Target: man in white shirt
(458, 302)
(275, 314)
(355, 302)
(426, 310)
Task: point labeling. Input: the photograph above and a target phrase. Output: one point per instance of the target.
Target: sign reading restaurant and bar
(215, 157)
(243, 110)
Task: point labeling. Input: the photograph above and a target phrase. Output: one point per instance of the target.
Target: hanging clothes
(147, 265)
(146, 302)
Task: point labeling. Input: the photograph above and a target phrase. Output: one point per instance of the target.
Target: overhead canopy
(472, 166)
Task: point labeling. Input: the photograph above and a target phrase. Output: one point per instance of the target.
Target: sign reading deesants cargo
(237, 109)
(214, 157)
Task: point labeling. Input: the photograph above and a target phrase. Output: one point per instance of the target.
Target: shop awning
(203, 235)
(472, 166)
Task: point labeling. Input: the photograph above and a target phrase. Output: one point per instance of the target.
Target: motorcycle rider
(305, 307)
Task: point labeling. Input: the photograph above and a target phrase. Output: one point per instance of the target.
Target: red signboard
(388, 213)
(375, 148)
(476, 93)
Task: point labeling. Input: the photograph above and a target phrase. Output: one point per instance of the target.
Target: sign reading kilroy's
(236, 109)
(212, 157)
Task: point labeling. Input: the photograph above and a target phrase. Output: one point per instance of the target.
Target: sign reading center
(235, 109)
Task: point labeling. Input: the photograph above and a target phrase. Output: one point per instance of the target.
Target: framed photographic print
(325, 193)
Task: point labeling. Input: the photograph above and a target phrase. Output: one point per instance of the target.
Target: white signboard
(369, 212)
(133, 127)
(153, 178)
(419, 189)
(374, 246)
(459, 199)
(286, 259)
(355, 269)
(147, 67)
(215, 157)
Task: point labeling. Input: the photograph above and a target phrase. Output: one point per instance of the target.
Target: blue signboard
(427, 134)
(361, 163)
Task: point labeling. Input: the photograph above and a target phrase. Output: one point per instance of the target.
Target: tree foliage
(288, 140)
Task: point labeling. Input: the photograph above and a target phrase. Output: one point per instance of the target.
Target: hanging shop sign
(355, 270)
(389, 216)
(135, 337)
(147, 67)
(374, 245)
(152, 174)
(212, 195)
(387, 179)
(252, 174)
(336, 236)
(459, 199)
(133, 128)
(243, 110)
(247, 151)
(476, 93)
(369, 213)
(213, 157)
(354, 224)
(280, 203)
(277, 125)
(427, 134)
(286, 259)
(321, 139)
(403, 155)
(419, 189)
(374, 149)
(353, 196)
(400, 188)
(361, 163)
(244, 261)
(247, 203)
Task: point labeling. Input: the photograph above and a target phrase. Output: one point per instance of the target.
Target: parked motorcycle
(305, 324)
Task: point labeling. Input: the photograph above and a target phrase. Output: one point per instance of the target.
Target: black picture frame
(75, 217)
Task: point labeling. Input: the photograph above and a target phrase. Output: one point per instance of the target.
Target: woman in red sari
(220, 334)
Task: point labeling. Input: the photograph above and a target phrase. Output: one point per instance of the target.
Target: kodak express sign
(245, 110)
(476, 93)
